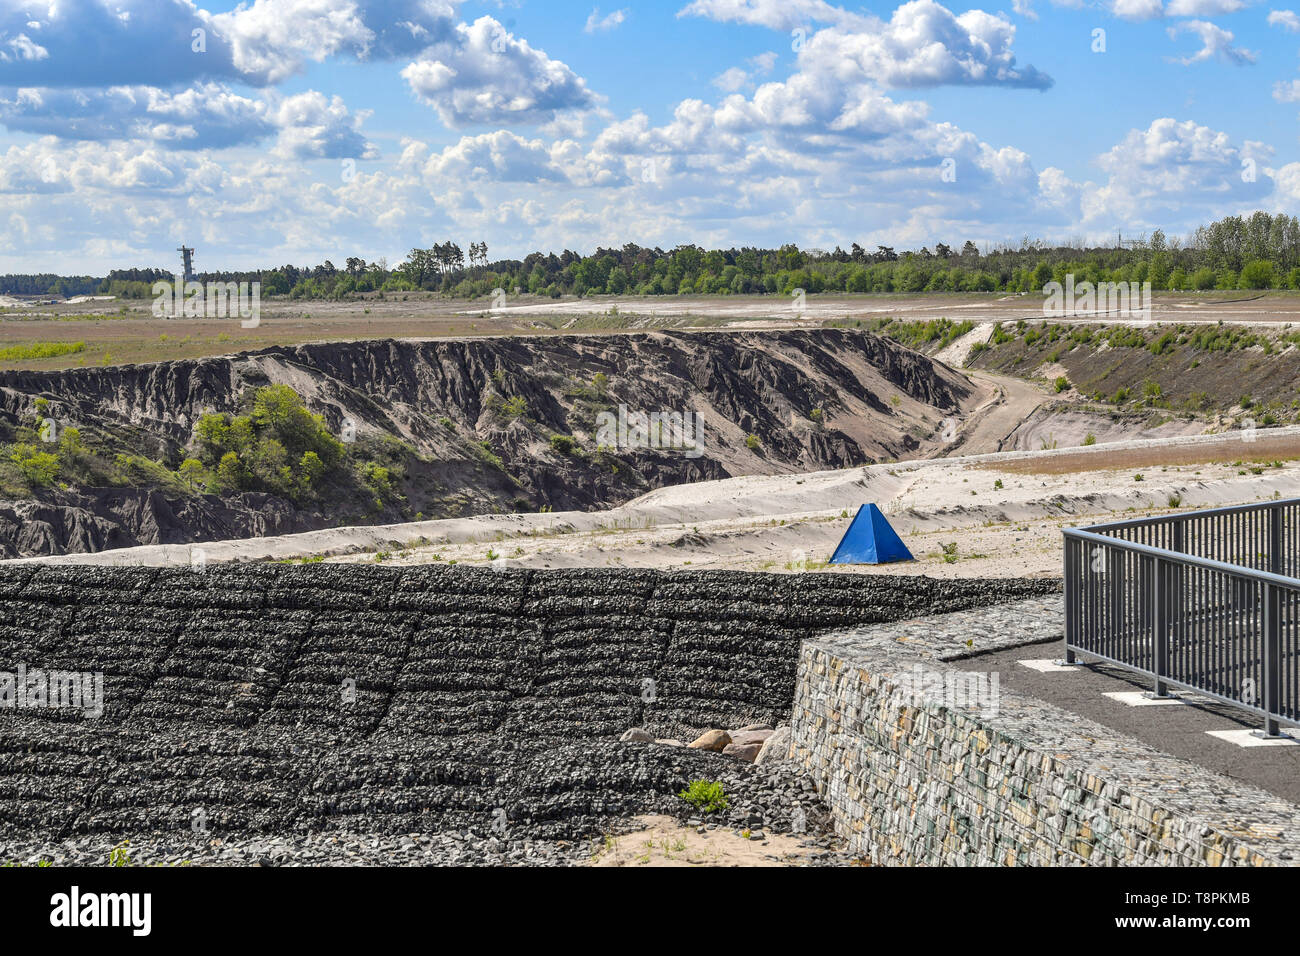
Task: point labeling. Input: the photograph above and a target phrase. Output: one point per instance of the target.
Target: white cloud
(774, 14)
(1203, 8)
(1287, 19)
(1174, 171)
(925, 44)
(22, 47)
(314, 127)
(499, 157)
(486, 75)
(1136, 9)
(1216, 43)
(731, 80)
(153, 42)
(922, 44)
(208, 116)
(597, 24)
(1288, 92)
(737, 78)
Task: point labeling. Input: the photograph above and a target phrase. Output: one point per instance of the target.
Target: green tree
(1258, 274)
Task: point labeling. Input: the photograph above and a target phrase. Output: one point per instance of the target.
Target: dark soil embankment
(1161, 371)
(485, 425)
(280, 699)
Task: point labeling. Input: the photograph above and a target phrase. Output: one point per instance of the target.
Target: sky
(294, 131)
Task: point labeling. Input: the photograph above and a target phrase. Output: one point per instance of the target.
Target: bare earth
(664, 842)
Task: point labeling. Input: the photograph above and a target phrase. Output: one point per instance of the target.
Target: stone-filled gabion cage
(296, 698)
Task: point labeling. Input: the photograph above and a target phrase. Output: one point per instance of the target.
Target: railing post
(1272, 631)
(1073, 594)
(1159, 597)
(1275, 539)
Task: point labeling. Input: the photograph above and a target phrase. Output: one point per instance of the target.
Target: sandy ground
(986, 515)
(662, 841)
(1231, 307)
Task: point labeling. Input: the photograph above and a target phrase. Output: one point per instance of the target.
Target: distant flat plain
(121, 331)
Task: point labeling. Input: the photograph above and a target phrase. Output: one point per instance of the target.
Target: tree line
(1260, 251)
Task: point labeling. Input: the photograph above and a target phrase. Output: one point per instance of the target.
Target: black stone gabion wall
(293, 698)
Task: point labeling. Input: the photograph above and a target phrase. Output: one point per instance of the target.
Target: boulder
(713, 740)
(776, 747)
(745, 752)
(745, 737)
(636, 735)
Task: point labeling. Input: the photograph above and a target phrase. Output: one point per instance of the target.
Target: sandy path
(988, 427)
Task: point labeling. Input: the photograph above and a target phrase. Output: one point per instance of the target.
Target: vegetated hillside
(1186, 370)
(143, 454)
(284, 699)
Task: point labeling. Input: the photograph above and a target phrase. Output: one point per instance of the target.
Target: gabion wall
(277, 697)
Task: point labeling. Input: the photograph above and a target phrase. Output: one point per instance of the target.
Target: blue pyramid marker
(870, 540)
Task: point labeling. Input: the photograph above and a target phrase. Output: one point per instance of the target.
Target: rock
(636, 735)
(749, 727)
(713, 740)
(745, 752)
(776, 747)
(746, 737)
(669, 742)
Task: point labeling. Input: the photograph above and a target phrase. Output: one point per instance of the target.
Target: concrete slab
(1049, 665)
(1139, 698)
(1247, 738)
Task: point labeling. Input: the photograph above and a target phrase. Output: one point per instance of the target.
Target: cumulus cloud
(208, 116)
(45, 166)
(315, 127)
(1136, 9)
(167, 43)
(1176, 169)
(1216, 44)
(501, 157)
(922, 44)
(486, 75)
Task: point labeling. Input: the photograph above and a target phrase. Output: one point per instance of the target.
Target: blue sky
(298, 130)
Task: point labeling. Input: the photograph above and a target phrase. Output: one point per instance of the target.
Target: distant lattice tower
(187, 261)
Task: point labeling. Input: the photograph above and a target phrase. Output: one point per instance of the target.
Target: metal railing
(1206, 601)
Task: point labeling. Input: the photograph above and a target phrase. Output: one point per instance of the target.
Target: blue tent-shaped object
(870, 540)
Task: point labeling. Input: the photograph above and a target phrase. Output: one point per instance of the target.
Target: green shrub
(278, 447)
(39, 350)
(38, 468)
(705, 795)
